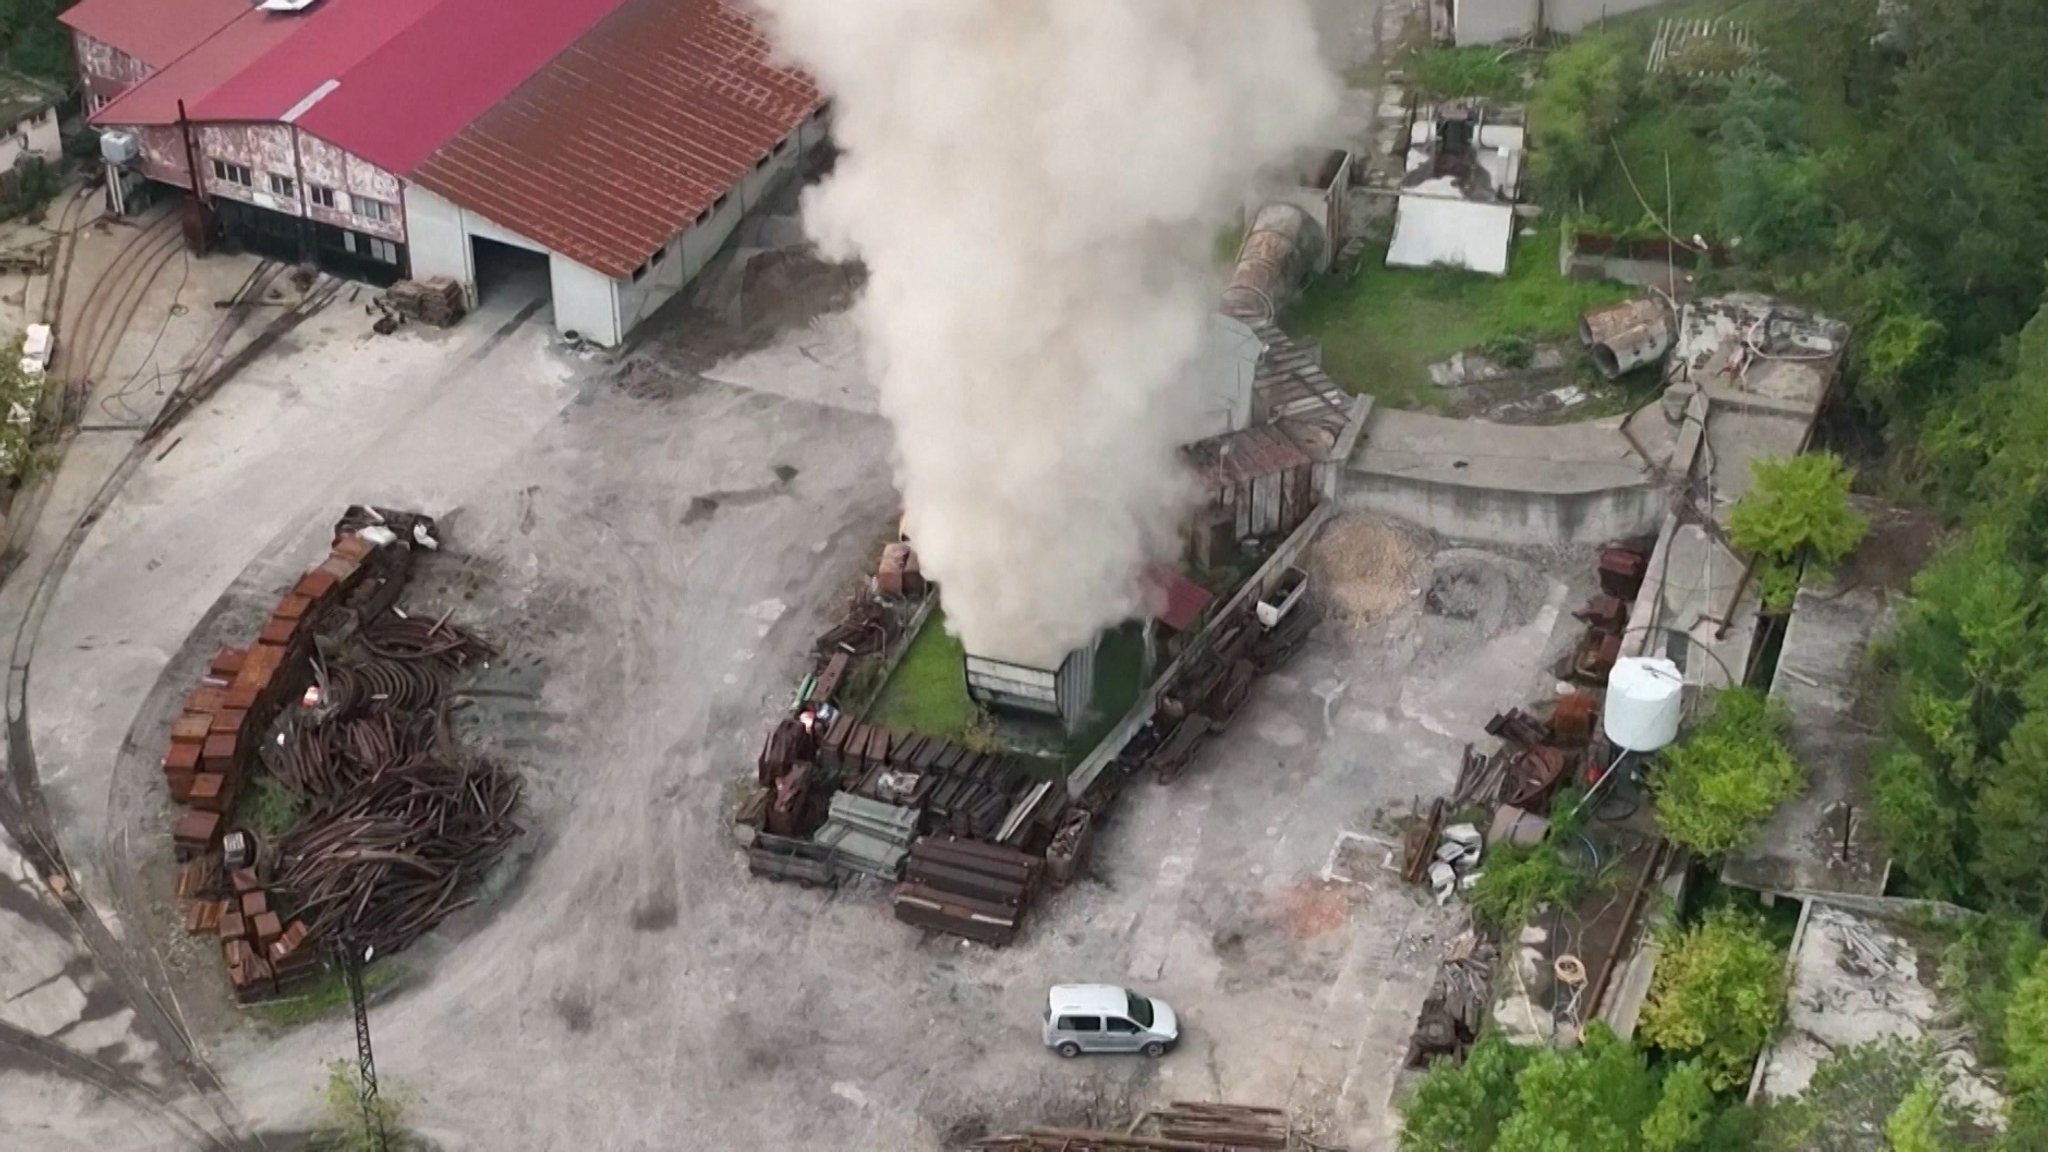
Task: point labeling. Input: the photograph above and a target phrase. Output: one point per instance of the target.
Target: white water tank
(119, 146)
(1645, 697)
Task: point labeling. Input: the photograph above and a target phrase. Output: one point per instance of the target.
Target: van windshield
(1141, 1011)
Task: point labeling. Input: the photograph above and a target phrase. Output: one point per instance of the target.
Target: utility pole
(352, 961)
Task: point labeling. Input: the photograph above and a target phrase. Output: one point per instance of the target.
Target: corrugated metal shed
(1262, 478)
(628, 136)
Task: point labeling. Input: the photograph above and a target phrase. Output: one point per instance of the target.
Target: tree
(1850, 1100)
(1580, 102)
(1919, 1123)
(1684, 1114)
(1716, 787)
(1796, 512)
(1594, 1098)
(1717, 995)
(344, 1128)
(1460, 1107)
(2026, 1033)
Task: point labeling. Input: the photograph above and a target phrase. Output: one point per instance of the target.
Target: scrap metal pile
(342, 699)
(1180, 1127)
(399, 823)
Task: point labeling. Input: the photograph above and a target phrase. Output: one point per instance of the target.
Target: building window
(703, 216)
(718, 205)
(324, 197)
(787, 145)
(370, 209)
(763, 161)
(640, 273)
(228, 173)
(374, 247)
(660, 254)
(283, 186)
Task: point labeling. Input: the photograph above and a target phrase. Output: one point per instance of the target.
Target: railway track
(109, 308)
(114, 1082)
(70, 218)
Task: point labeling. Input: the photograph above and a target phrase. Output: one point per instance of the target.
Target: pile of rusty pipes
(399, 823)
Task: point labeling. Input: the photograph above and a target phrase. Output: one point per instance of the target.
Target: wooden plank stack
(968, 889)
(436, 300)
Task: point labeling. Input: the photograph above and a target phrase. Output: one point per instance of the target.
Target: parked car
(1105, 1018)
(38, 344)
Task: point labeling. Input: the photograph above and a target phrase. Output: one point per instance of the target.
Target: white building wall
(1572, 16)
(35, 135)
(586, 301)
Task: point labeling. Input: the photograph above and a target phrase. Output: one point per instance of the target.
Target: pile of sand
(1366, 569)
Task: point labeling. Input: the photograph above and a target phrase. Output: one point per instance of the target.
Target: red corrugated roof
(155, 32)
(388, 80)
(623, 139)
(1179, 600)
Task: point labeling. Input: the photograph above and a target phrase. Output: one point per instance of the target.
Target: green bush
(1581, 99)
(1515, 882)
(1795, 514)
(1718, 785)
(1450, 73)
(1717, 995)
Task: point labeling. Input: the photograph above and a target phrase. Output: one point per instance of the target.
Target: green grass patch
(325, 996)
(269, 807)
(1450, 73)
(928, 692)
(1380, 332)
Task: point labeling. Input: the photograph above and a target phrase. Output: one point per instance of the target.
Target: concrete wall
(587, 302)
(104, 71)
(1509, 516)
(352, 179)
(264, 149)
(1497, 21)
(1492, 21)
(33, 135)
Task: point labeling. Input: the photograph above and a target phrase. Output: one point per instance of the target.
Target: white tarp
(1431, 232)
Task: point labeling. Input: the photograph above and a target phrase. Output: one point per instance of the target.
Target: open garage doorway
(509, 279)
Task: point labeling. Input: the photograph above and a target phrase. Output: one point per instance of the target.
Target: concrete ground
(630, 986)
(633, 984)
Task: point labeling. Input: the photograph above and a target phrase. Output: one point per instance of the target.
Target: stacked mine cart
(341, 701)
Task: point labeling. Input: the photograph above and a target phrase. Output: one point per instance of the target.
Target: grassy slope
(1380, 332)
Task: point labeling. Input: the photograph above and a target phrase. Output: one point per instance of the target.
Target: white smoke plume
(1035, 188)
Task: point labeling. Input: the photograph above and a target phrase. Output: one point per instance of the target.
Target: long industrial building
(617, 142)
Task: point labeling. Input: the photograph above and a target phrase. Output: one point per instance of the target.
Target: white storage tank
(1645, 699)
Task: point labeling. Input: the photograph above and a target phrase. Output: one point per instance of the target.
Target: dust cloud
(1036, 188)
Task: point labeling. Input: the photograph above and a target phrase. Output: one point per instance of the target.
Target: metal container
(1061, 693)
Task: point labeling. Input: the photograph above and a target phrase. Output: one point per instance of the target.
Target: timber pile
(1180, 1127)
(978, 891)
(437, 300)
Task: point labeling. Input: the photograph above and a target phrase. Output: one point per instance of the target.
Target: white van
(1105, 1018)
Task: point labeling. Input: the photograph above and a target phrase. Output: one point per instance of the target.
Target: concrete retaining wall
(1507, 516)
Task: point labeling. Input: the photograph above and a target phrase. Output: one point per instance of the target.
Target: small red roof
(155, 32)
(1180, 600)
(629, 135)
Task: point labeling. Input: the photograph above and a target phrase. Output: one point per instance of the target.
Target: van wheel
(1155, 1049)
(1068, 1050)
